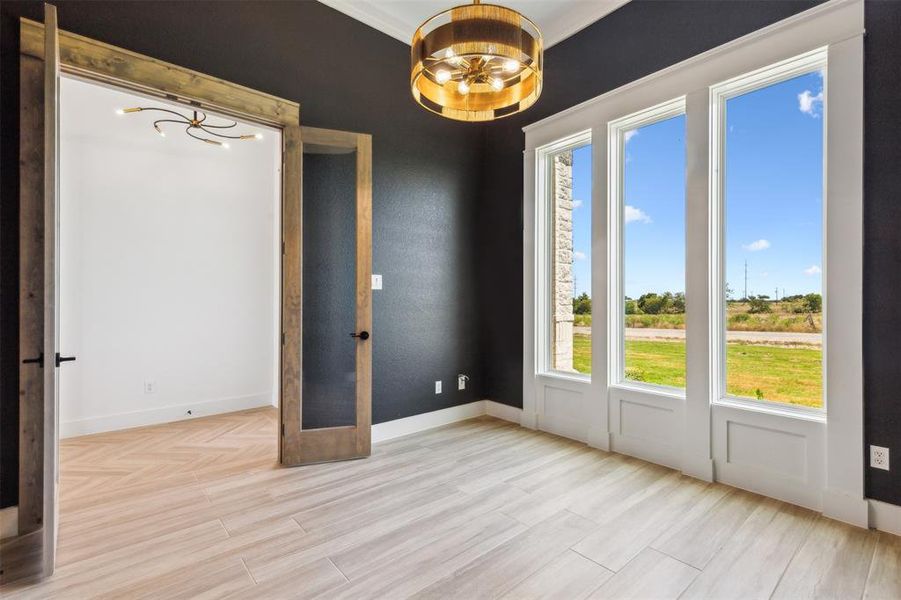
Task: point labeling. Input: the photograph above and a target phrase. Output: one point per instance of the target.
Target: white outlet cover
(879, 457)
(149, 386)
(461, 382)
(376, 282)
(437, 387)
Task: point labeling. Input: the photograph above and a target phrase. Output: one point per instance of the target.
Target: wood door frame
(105, 64)
(301, 446)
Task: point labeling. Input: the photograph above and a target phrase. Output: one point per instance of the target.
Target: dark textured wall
(643, 37)
(345, 75)
(882, 243)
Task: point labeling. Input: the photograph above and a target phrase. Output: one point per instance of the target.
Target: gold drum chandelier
(477, 62)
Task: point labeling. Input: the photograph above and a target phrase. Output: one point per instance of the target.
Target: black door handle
(363, 335)
(62, 359)
(38, 360)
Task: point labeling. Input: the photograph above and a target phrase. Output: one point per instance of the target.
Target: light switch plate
(437, 387)
(376, 282)
(149, 386)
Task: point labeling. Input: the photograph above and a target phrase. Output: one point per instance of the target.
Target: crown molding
(566, 22)
(369, 14)
(575, 19)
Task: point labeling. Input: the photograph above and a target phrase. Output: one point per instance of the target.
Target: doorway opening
(170, 254)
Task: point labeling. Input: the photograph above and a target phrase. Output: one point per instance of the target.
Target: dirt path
(762, 337)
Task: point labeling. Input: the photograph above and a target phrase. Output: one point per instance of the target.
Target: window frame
(720, 94)
(616, 339)
(544, 247)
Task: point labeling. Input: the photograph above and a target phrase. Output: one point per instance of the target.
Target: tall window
(567, 201)
(648, 228)
(772, 246)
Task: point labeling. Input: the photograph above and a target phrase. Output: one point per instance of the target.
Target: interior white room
(169, 265)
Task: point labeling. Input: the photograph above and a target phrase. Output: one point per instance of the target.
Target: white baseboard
(165, 414)
(400, 427)
(503, 411)
(408, 425)
(846, 508)
(9, 522)
(885, 517)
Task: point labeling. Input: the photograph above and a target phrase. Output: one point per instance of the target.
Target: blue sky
(774, 188)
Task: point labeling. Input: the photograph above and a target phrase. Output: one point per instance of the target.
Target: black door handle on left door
(363, 335)
(62, 359)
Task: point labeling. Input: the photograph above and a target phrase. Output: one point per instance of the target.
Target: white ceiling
(557, 19)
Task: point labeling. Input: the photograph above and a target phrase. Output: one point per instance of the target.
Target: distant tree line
(669, 303)
(652, 303)
(799, 303)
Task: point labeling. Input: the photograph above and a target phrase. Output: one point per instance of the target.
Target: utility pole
(746, 280)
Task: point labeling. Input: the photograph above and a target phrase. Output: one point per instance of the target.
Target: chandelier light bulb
(442, 76)
(226, 146)
(497, 83)
(258, 136)
(120, 111)
(510, 65)
(463, 88)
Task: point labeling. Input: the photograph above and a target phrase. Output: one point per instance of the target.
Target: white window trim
(833, 476)
(616, 237)
(719, 96)
(544, 247)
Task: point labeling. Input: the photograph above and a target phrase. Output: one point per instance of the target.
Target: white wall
(169, 267)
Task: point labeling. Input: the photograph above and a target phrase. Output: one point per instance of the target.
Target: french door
(326, 348)
(326, 299)
(33, 552)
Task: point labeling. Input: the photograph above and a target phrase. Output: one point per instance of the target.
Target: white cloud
(629, 135)
(756, 246)
(635, 214)
(810, 104)
(813, 270)
(579, 255)
(577, 203)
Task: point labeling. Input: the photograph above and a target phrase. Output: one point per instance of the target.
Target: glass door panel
(329, 283)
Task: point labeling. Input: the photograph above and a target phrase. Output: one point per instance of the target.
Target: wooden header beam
(95, 60)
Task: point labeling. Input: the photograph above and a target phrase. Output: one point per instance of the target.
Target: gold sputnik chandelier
(477, 62)
(195, 126)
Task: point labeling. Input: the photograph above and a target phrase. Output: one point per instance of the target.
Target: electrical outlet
(376, 281)
(149, 386)
(437, 387)
(879, 457)
(461, 381)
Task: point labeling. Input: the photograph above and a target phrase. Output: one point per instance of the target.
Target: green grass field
(783, 374)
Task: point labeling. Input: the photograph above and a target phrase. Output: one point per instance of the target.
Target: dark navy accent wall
(882, 243)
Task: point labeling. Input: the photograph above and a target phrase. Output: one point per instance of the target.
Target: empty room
(553, 299)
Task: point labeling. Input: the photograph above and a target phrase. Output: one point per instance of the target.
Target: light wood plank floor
(480, 509)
